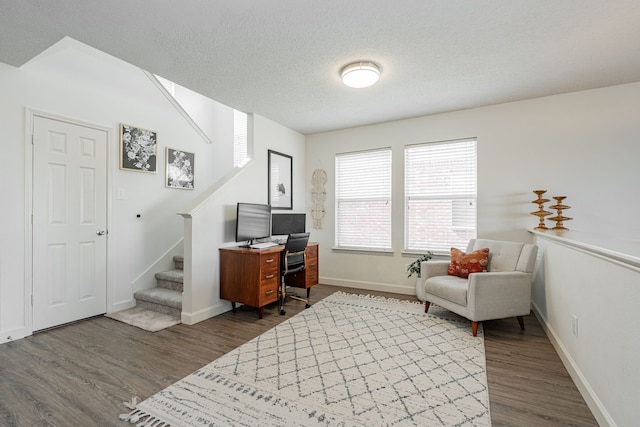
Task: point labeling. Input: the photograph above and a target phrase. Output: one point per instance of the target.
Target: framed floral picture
(280, 171)
(138, 149)
(180, 169)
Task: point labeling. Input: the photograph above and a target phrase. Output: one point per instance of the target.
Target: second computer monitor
(287, 223)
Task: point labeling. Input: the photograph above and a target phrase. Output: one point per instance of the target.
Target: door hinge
(31, 300)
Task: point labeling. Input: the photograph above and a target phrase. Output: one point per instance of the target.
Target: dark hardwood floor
(79, 374)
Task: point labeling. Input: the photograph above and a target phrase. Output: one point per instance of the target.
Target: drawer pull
(270, 276)
(269, 292)
(268, 260)
(312, 265)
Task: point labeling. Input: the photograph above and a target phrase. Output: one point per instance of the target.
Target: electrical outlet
(574, 325)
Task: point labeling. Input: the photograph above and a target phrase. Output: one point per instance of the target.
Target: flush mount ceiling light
(360, 74)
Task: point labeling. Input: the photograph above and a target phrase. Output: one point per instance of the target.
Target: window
(363, 200)
(239, 138)
(440, 195)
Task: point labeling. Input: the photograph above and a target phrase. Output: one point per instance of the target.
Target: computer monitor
(287, 223)
(253, 221)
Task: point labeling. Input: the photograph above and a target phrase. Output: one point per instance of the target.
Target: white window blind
(363, 200)
(239, 138)
(440, 195)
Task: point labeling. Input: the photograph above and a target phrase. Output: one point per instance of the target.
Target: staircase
(167, 296)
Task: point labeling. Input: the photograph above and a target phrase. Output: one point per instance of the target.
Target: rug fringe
(139, 417)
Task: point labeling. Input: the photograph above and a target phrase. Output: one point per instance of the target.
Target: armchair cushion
(464, 264)
(450, 288)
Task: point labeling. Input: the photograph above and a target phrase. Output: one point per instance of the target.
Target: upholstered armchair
(503, 290)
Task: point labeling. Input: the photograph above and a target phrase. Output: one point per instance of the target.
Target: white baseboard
(205, 313)
(593, 402)
(9, 335)
(122, 305)
(369, 286)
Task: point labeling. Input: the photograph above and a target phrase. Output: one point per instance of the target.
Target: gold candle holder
(540, 213)
(559, 218)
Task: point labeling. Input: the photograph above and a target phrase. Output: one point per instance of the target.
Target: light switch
(120, 194)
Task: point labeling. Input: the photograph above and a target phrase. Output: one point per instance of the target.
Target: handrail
(178, 107)
(625, 254)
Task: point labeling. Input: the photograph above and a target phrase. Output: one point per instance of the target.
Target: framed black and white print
(280, 172)
(138, 149)
(180, 169)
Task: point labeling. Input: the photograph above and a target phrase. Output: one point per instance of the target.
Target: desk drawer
(269, 260)
(269, 279)
(268, 293)
(303, 279)
(311, 252)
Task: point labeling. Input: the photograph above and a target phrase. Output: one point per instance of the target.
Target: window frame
(374, 241)
(466, 191)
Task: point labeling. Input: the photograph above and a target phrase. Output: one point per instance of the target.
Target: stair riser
(174, 286)
(159, 308)
(178, 261)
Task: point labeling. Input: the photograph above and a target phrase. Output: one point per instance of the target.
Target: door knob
(100, 232)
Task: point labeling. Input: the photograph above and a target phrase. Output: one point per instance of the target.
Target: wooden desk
(252, 276)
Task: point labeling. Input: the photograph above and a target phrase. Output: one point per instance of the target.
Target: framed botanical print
(180, 169)
(280, 172)
(138, 149)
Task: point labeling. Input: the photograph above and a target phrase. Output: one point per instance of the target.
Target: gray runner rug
(347, 360)
(142, 318)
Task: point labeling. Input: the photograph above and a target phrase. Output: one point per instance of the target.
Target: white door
(69, 222)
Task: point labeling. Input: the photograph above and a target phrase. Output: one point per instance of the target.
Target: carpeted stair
(167, 296)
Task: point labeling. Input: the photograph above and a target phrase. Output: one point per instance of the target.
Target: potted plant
(414, 267)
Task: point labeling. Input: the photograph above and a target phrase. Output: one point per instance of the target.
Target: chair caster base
(282, 312)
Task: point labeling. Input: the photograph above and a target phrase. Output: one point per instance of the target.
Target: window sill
(368, 251)
(407, 253)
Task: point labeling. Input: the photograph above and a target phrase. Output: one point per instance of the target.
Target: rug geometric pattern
(347, 360)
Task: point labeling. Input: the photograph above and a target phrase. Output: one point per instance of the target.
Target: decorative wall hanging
(318, 196)
(180, 169)
(540, 213)
(280, 172)
(559, 218)
(138, 148)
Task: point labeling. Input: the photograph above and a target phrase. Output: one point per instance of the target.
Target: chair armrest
(428, 269)
(433, 268)
(495, 295)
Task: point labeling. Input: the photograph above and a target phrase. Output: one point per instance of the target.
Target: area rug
(348, 360)
(142, 318)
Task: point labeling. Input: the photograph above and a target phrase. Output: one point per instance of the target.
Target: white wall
(579, 277)
(80, 83)
(75, 81)
(212, 223)
(581, 145)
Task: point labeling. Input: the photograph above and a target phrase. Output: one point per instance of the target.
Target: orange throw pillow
(464, 264)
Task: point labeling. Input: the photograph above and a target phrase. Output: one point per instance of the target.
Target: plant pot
(420, 289)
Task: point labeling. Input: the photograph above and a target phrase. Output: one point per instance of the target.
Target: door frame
(30, 115)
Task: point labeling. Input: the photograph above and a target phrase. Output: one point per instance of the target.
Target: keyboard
(263, 245)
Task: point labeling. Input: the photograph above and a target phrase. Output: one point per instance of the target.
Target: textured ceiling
(281, 59)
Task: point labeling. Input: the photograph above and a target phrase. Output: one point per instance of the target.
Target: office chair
(293, 260)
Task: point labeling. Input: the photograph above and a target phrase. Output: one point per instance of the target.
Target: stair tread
(161, 296)
(171, 276)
